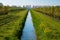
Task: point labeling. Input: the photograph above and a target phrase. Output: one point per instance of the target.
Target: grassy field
(45, 26)
(11, 25)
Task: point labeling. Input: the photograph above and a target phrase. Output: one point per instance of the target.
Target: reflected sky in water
(28, 31)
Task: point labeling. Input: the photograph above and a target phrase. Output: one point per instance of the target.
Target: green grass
(45, 26)
(11, 25)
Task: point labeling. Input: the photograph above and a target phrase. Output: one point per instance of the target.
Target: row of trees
(5, 9)
(53, 11)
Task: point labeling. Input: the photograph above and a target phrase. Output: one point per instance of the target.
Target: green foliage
(53, 11)
(46, 27)
(3, 10)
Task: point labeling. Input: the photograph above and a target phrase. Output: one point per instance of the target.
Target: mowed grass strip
(12, 28)
(46, 27)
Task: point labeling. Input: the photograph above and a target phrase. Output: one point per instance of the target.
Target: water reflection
(28, 31)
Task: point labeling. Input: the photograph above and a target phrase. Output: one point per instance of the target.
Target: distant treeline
(5, 9)
(53, 11)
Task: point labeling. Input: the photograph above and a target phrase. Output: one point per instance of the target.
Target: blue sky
(30, 2)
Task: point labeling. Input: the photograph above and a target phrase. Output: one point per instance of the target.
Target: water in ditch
(28, 31)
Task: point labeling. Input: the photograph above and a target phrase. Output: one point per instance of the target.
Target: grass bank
(45, 26)
(11, 25)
